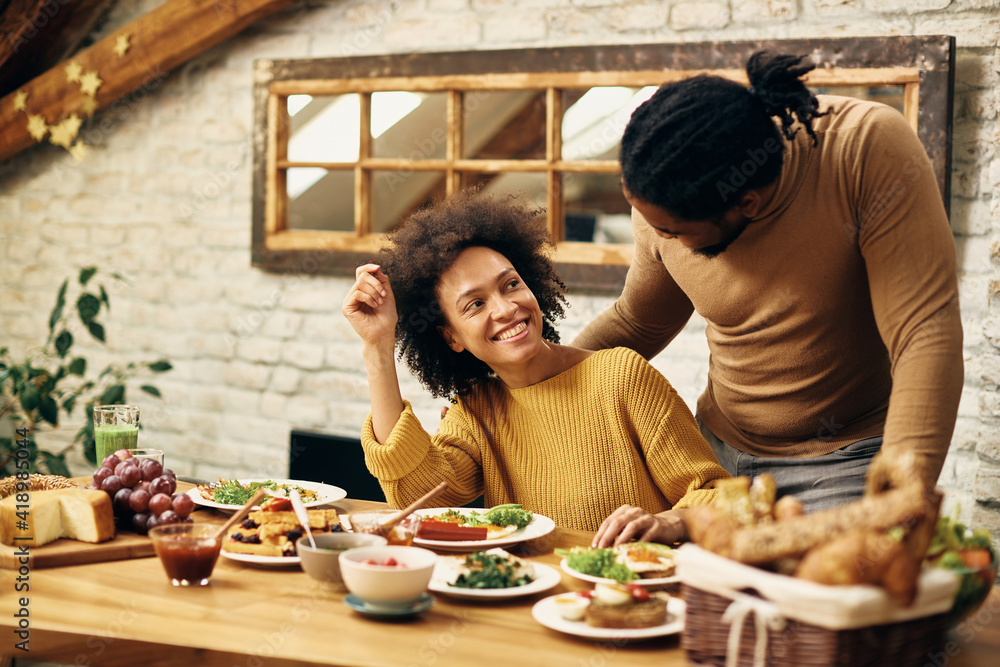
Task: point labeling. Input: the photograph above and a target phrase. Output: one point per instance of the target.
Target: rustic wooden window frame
(923, 65)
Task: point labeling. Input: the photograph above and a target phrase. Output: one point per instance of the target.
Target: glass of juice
(188, 551)
(115, 427)
(369, 521)
(155, 454)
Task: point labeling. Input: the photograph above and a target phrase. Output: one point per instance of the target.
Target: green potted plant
(50, 381)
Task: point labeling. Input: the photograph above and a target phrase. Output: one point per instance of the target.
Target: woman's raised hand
(370, 306)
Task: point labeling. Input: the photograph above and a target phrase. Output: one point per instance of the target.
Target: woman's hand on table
(629, 523)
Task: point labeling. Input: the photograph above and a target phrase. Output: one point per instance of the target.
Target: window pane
(595, 118)
(891, 95)
(504, 124)
(320, 199)
(595, 209)
(409, 125)
(396, 194)
(530, 185)
(324, 128)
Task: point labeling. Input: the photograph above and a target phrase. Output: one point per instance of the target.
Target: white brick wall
(164, 197)
(690, 15)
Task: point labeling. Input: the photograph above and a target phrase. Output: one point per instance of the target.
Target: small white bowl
(387, 586)
(572, 606)
(323, 562)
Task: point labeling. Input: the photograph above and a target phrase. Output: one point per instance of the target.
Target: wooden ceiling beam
(157, 42)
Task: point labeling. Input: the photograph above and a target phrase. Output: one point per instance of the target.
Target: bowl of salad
(969, 553)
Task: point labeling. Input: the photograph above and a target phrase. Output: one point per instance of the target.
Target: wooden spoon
(301, 514)
(386, 526)
(240, 514)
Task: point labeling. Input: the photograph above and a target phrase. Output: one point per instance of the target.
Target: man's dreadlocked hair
(428, 244)
(684, 148)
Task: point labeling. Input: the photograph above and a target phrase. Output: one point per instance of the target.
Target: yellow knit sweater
(609, 431)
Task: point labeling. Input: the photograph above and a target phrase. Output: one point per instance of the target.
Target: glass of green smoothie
(115, 427)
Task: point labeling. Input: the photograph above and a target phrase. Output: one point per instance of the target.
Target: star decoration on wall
(73, 71)
(78, 151)
(64, 133)
(90, 82)
(122, 45)
(37, 127)
(88, 106)
(20, 101)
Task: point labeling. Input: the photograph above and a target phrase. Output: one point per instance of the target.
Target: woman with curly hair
(594, 440)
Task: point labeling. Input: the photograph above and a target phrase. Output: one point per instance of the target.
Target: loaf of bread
(74, 513)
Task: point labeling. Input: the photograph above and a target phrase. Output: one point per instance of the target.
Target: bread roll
(795, 536)
(75, 513)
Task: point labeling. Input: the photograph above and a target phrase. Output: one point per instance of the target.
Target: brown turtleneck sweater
(834, 317)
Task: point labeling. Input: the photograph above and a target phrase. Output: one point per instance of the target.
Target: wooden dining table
(126, 612)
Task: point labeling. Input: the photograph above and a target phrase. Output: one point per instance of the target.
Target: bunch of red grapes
(142, 492)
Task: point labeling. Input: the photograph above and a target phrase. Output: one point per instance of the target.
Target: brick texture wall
(163, 198)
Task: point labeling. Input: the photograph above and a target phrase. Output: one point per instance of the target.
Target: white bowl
(323, 562)
(387, 586)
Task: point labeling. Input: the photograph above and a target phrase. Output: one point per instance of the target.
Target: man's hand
(629, 523)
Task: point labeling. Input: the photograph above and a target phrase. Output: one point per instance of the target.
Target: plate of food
(265, 561)
(466, 529)
(645, 563)
(231, 494)
(267, 537)
(613, 611)
(491, 575)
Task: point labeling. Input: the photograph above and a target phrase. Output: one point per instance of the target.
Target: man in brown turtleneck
(822, 262)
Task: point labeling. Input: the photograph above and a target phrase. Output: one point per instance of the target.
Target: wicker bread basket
(742, 615)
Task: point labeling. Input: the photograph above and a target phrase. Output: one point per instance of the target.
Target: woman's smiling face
(489, 310)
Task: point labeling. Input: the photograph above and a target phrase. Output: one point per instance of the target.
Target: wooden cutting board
(126, 544)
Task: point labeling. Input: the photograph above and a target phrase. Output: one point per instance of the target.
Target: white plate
(327, 493)
(539, 526)
(255, 559)
(545, 612)
(652, 581)
(546, 578)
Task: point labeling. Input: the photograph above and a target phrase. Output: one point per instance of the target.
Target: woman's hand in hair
(627, 524)
(371, 308)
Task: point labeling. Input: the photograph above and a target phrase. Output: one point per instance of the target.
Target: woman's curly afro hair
(428, 243)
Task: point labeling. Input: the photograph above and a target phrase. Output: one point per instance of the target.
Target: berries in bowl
(387, 576)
